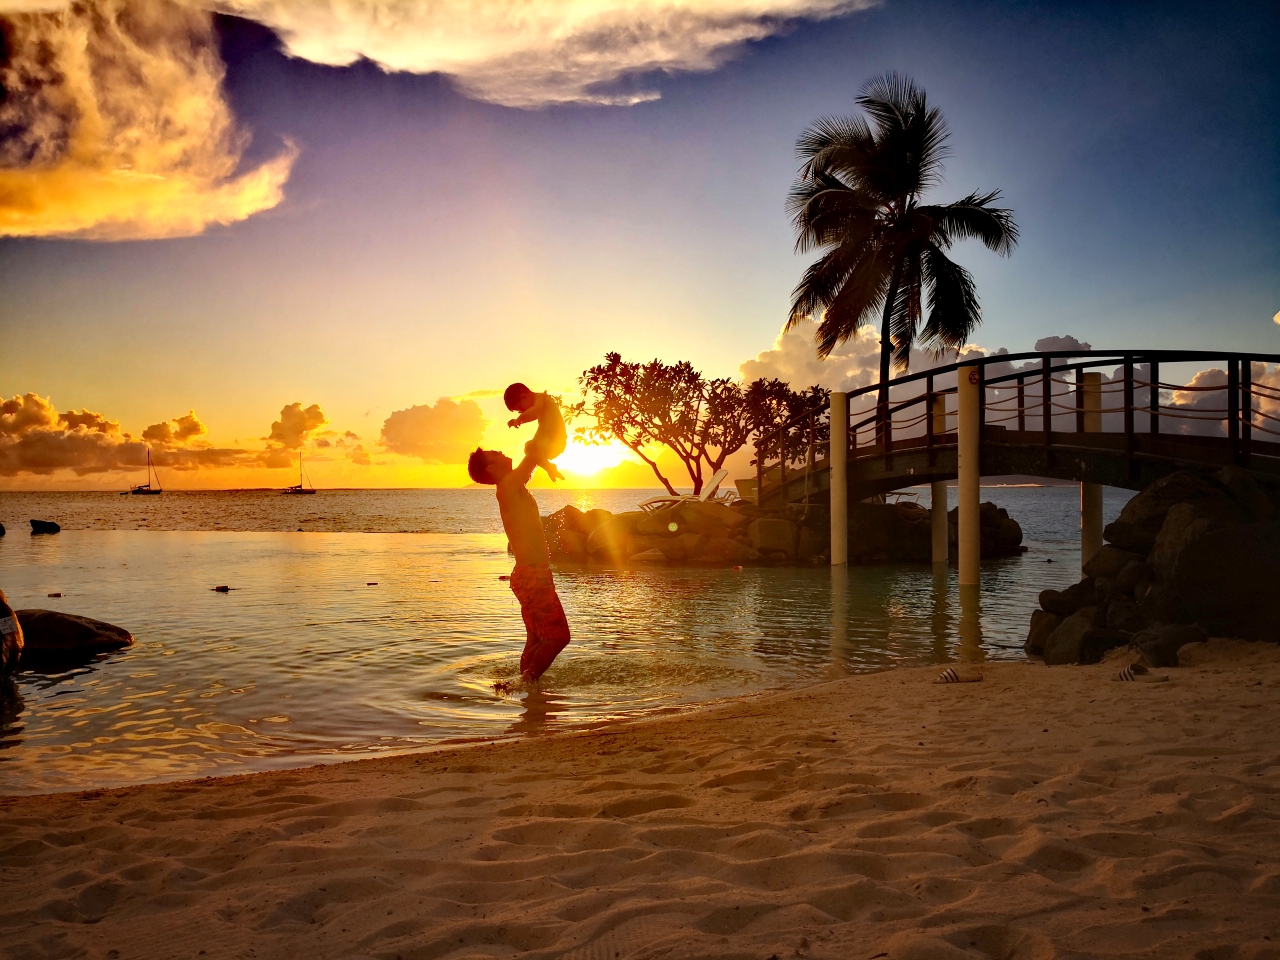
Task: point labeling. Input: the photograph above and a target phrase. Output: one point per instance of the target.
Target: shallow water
(339, 645)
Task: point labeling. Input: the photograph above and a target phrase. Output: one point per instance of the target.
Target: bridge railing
(1043, 397)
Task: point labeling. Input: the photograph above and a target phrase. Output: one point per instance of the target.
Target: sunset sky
(346, 228)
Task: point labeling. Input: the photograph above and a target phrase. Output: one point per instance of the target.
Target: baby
(549, 442)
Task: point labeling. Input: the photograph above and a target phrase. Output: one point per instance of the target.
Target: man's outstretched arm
(524, 470)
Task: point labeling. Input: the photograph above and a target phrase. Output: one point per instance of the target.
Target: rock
(1066, 602)
(660, 523)
(1, 529)
(563, 530)
(1246, 492)
(1064, 644)
(769, 535)
(684, 547)
(1228, 581)
(1159, 646)
(611, 541)
(1139, 522)
(709, 519)
(1109, 561)
(725, 550)
(1043, 624)
(592, 519)
(1185, 522)
(44, 526)
(648, 556)
(53, 639)
(1125, 615)
(1131, 577)
(1102, 587)
(889, 531)
(1096, 641)
(812, 543)
(1160, 604)
(10, 637)
(1001, 535)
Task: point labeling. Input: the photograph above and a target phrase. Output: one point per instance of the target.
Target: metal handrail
(1239, 390)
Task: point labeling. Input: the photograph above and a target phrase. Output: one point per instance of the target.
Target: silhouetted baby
(549, 442)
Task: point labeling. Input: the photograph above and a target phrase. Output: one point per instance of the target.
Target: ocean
(382, 627)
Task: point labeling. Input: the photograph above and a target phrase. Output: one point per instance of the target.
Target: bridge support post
(938, 489)
(1091, 493)
(968, 395)
(838, 458)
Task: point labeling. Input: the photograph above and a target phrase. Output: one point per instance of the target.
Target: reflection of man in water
(544, 620)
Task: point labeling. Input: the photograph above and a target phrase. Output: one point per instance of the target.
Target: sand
(1043, 812)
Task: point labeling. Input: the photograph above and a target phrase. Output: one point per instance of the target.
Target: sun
(585, 460)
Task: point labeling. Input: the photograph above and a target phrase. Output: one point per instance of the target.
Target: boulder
(727, 551)
(770, 535)
(44, 526)
(611, 541)
(1096, 641)
(1066, 602)
(708, 519)
(1001, 535)
(1246, 492)
(659, 523)
(592, 519)
(648, 556)
(1, 529)
(1123, 614)
(889, 531)
(1159, 646)
(1043, 624)
(1131, 577)
(1160, 603)
(1227, 581)
(812, 543)
(53, 639)
(1064, 644)
(1109, 561)
(10, 637)
(563, 530)
(1139, 522)
(1185, 522)
(684, 547)
(1102, 587)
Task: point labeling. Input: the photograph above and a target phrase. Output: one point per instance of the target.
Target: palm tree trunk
(886, 355)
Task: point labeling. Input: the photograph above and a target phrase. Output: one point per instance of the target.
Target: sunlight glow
(585, 460)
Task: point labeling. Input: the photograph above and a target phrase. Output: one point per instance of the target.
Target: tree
(703, 422)
(858, 198)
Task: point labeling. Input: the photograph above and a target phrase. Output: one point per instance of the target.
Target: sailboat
(298, 487)
(146, 489)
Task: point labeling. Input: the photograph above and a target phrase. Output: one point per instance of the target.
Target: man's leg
(544, 619)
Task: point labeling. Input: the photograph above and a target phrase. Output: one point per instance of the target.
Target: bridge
(1099, 418)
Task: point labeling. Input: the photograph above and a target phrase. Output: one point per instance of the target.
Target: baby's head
(488, 466)
(518, 397)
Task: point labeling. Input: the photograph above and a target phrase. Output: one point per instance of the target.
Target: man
(531, 582)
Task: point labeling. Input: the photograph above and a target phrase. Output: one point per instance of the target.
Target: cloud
(296, 424)
(529, 53)
(445, 433)
(177, 430)
(360, 457)
(1050, 344)
(115, 126)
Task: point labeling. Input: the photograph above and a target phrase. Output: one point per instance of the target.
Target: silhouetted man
(531, 582)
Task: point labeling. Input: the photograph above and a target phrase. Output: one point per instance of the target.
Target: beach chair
(706, 496)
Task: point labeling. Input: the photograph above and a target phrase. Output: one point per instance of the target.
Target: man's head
(488, 466)
(518, 397)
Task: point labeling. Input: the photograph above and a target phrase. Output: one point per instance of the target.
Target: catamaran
(146, 489)
(298, 487)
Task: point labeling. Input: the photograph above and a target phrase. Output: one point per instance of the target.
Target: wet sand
(1044, 812)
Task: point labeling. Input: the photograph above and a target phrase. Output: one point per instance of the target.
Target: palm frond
(972, 218)
(858, 301)
(905, 319)
(953, 302)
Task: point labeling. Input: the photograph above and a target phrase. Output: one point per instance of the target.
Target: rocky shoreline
(1194, 555)
(741, 534)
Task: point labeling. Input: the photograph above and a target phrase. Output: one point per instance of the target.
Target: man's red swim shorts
(544, 620)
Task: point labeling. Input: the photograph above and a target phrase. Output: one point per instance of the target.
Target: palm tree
(857, 198)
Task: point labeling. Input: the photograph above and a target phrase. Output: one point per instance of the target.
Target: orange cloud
(177, 430)
(116, 127)
(296, 424)
(445, 433)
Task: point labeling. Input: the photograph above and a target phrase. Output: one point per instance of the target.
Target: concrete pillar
(1091, 493)
(838, 458)
(938, 489)
(970, 533)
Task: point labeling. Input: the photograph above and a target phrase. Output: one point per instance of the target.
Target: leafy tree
(703, 422)
(858, 199)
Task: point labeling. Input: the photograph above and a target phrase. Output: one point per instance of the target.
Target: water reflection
(11, 705)
(971, 623)
(940, 621)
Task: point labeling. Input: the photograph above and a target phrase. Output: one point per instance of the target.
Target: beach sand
(1044, 812)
